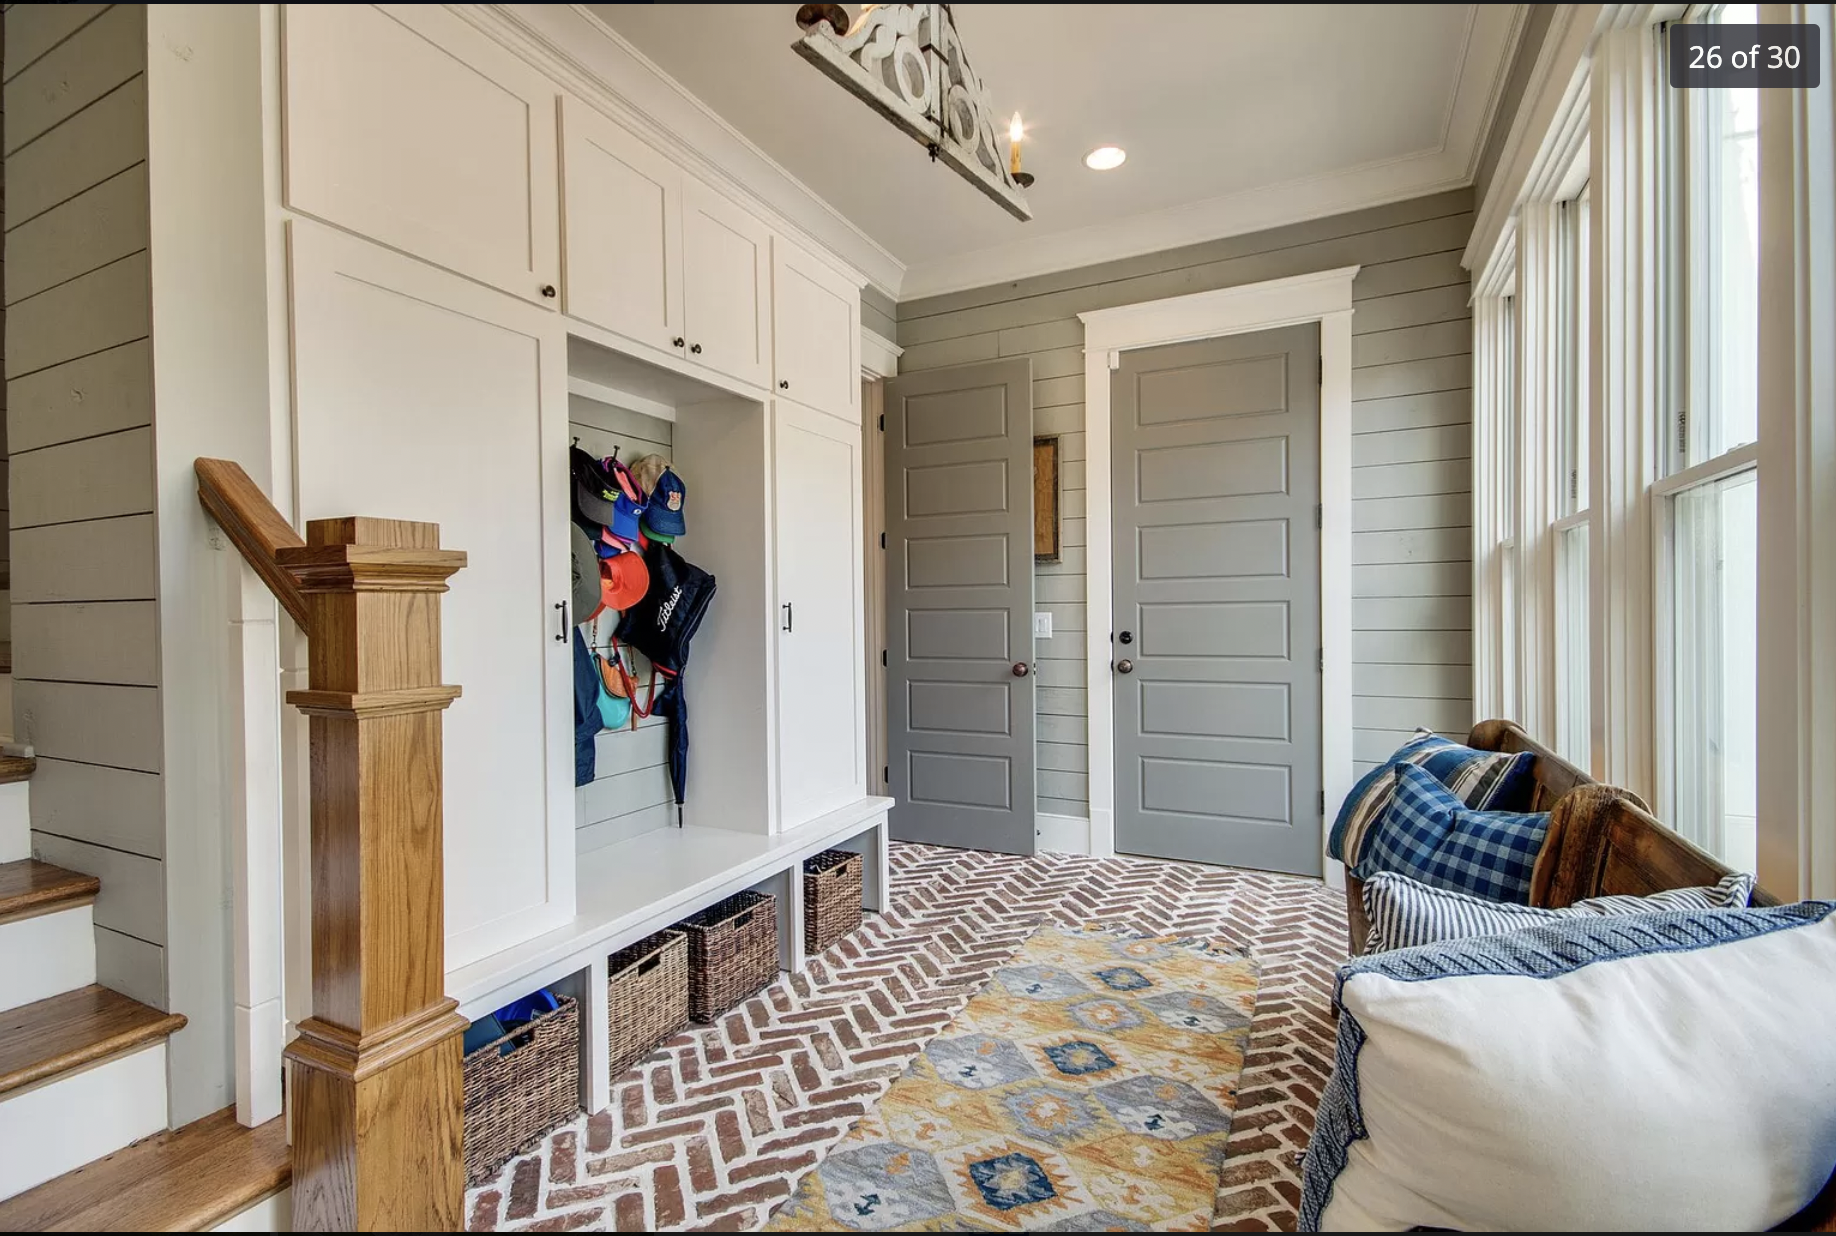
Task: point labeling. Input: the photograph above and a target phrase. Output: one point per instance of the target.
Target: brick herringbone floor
(715, 1128)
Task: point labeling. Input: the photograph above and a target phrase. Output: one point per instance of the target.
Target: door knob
(1125, 666)
(1022, 669)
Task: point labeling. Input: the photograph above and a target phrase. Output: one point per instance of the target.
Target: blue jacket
(586, 710)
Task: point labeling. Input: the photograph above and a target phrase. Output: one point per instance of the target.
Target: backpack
(661, 625)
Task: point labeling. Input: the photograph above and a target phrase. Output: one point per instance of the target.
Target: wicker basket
(647, 996)
(831, 898)
(512, 1100)
(732, 952)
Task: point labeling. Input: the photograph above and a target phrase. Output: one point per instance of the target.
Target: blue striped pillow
(1429, 834)
(1485, 780)
(1405, 912)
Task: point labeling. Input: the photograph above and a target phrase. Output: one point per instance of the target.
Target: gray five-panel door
(959, 601)
(1217, 600)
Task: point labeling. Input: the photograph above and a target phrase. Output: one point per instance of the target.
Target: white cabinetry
(419, 395)
(406, 124)
(816, 318)
(656, 256)
(821, 686)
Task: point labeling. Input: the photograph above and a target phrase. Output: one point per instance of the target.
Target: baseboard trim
(1061, 834)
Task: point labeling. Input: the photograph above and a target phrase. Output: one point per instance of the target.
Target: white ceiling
(1235, 117)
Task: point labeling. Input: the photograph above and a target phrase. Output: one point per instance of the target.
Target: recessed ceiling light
(1104, 158)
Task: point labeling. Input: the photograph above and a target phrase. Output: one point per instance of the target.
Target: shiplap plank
(623, 751)
(878, 312)
(1067, 332)
(37, 28)
(1077, 808)
(620, 794)
(98, 560)
(1058, 363)
(1062, 419)
(1426, 681)
(1063, 646)
(1057, 588)
(1061, 729)
(1446, 476)
(133, 896)
(97, 394)
(1058, 392)
(1413, 411)
(89, 723)
(132, 967)
(116, 642)
(611, 419)
(1428, 579)
(92, 478)
(92, 229)
(946, 352)
(1377, 746)
(1071, 472)
(624, 827)
(1414, 545)
(1441, 614)
(1060, 701)
(1053, 672)
(1071, 785)
(1450, 716)
(1412, 343)
(1071, 450)
(1412, 445)
(1453, 510)
(1064, 757)
(1442, 373)
(1414, 647)
(1405, 273)
(1065, 616)
(1443, 304)
(101, 309)
(75, 73)
(113, 807)
(1072, 538)
(96, 143)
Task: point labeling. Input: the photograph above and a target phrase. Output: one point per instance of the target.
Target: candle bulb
(1014, 134)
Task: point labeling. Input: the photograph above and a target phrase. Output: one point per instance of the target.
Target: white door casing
(421, 396)
(1324, 297)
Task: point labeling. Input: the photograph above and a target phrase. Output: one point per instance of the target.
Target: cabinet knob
(548, 291)
(676, 342)
(695, 348)
(783, 384)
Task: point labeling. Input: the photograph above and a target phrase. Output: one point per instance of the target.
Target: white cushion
(1670, 1071)
(1404, 912)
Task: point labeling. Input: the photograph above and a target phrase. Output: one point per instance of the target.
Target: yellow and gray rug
(1088, 1087)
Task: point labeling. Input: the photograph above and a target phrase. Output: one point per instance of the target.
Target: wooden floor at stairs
(31, 887)
(187, 1180)
(40, 1040)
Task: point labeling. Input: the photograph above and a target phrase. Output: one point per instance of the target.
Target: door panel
(959, 593)
(822, 739)
(423, 396)
(1216, 469)
(726, 273)
(623, 220)
(407, 125)
(816, 333)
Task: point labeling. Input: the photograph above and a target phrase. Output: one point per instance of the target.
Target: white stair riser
(15, 811)
(74, 1119)
(46, 955)
(273, 1213)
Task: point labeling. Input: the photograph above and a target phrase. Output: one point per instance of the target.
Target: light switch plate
(1042, 626)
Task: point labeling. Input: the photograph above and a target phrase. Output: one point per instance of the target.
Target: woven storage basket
(732, 952)
(511, 1100)
(647, 996)
(831, 898)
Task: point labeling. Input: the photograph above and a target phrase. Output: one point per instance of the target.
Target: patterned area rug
(1088, 1087)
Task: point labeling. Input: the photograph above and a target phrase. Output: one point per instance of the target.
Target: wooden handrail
(258, 530)
(376, 1098)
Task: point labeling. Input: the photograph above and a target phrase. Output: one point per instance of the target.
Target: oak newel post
(375, 1085)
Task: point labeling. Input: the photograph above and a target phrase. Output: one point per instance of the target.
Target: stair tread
(29, 886)
(16, 768)
(188, 1179)
(64, 1032)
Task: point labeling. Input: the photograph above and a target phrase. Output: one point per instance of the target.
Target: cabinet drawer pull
(787, 615)
(561, 635)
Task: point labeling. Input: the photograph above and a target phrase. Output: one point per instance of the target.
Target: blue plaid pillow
(1428, 834)
(1486, 780)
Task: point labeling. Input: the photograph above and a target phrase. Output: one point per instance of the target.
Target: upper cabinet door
(623, 225)
(726, 276)
(407, 125)
(816, 332)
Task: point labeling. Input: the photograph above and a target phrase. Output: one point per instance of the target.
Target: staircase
(83, 1073)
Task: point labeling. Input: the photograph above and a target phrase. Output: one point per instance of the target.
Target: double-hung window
(1570, 392)
(1706, 500)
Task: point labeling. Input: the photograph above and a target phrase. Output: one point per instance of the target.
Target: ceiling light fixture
(1105, 158)
(906, 61)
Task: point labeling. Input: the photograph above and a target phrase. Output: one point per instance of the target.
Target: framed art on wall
(1045, 499)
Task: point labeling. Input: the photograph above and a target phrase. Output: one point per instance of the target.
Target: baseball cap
(645, 470)
(627, 502)
(623, 580)
(664, 514)
(587, 602)
(594, 490)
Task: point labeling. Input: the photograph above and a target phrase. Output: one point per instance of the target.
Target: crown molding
(1491, 35)
(585, 56)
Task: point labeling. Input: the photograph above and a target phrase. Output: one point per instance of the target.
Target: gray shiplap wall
(878, 314)
(79, 426)
(1411, 456)
(629, 793)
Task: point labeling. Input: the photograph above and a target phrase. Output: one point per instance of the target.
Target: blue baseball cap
(664, 514)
